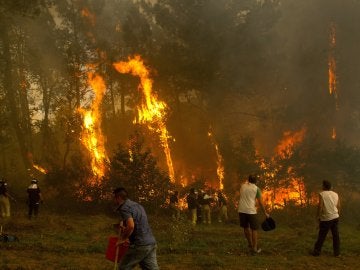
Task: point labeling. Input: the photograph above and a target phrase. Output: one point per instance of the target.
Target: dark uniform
(34, 198)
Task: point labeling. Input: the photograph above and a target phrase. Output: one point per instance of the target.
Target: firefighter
(34, 198)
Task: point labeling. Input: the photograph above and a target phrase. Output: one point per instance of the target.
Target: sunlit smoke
(151, 111)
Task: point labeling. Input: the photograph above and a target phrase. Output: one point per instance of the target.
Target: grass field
(78, 241)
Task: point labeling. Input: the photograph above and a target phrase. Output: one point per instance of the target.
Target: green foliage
(246, 157)
(136, 169)
(71, 184)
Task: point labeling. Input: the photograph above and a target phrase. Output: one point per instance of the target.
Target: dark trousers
(33, 208)
(325, 226)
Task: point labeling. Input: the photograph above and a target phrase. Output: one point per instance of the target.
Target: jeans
(145, 256)
(325, 226)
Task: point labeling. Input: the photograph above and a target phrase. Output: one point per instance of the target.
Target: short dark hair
(252, 179)
(121, 192)
(326, 185)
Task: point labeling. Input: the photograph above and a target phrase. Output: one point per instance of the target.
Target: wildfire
(292, 188)
(87, 14)
(40, 169)
(151, 111)
(333, 135)
(332, 62)
(332, 70)
(293, 192)
(91, 136)
(290, 139)
(219, 162)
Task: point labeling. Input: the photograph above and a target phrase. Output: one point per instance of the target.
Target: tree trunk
(23, 95)
(10, 98)
(111, 89)
(122, 100)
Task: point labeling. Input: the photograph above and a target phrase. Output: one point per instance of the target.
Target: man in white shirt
(328, 217)
(249, 194)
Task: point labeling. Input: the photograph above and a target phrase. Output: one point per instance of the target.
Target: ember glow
(219, 162)
(151, 111)
(91, 136)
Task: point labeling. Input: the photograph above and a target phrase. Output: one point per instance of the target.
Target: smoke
(246, 68)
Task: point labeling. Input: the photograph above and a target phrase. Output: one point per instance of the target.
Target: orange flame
(91, 136)
(292, 188)
(333, 135)
(332, 70)
(151, 111)
(40, 169)
(219, 162)
(332, 63)
(280, 196)
(90, 16)
(285, 147)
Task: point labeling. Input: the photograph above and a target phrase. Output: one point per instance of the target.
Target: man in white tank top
(249, 194)
(328, 216)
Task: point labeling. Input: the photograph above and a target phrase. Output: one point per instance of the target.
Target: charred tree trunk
(122, 100)
(111, 89)
(67, 137)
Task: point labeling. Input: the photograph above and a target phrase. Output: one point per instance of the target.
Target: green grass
(78, 241)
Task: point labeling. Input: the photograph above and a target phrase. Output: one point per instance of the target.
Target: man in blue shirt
(137, 230)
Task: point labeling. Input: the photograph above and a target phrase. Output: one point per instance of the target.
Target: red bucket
(111, 249)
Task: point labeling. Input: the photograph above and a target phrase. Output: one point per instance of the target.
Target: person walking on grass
(249, 195)
(192, 202)
(174, 206)
(205, 208)
(137, 231)
(34, 198)
(222, 203)
(328, 218)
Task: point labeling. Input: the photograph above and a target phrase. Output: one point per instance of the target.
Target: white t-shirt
(248, 194)
(330, 201)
